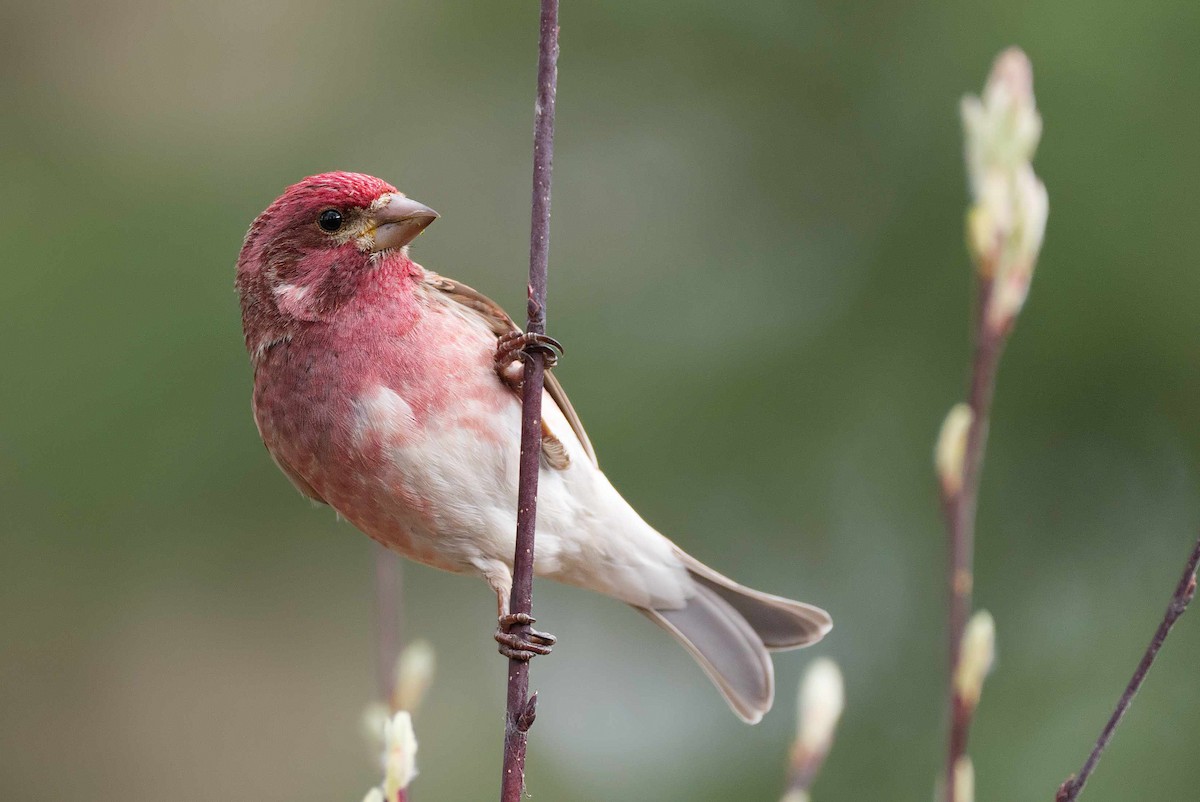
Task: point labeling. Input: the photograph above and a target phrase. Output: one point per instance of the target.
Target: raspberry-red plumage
(376, 391)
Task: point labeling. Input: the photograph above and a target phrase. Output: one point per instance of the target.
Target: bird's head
(309, 251)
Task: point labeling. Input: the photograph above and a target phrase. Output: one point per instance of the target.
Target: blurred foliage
(757, 267)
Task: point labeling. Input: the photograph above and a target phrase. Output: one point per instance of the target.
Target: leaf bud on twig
(819, 702)
(977, 655)
(949, 455)
(414, 674)
(964, 779)
(1007, 219)
(400, 755)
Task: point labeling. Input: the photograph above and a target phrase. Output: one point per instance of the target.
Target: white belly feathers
(453, 488)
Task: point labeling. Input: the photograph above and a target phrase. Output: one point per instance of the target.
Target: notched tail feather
(725, 646)
(729, 628)
(780, 623)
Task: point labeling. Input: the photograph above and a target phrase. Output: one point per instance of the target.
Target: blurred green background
(757, 267)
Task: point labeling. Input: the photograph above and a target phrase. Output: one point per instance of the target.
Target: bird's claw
(522, 645)
(519, 344)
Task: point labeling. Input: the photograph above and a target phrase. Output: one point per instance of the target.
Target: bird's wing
(500, 324)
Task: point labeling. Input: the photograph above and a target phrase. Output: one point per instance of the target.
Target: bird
(392, 394)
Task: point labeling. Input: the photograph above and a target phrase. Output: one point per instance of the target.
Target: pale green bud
(400, 754)
(414, 674)
(949, 456)
(964, 780)
(821, 700)
(976, 655)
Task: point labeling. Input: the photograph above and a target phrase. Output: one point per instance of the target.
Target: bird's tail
(730, 629)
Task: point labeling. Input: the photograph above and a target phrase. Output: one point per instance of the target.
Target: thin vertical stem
(388, 602)
(1184, 592)
(388, 584)
(522, 708)
(1002, 128)
(959, 510)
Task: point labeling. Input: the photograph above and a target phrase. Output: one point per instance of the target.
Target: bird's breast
(389, 426)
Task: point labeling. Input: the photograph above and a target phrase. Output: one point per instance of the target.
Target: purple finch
(388, 392)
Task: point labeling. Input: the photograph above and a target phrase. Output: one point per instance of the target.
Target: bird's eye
(330, 220)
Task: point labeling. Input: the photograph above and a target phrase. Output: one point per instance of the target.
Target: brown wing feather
(500, 324)
(556, 391)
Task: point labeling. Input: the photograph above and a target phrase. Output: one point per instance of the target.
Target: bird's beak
(399, 221)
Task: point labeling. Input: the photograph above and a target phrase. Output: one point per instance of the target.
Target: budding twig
(400, 754)
(388, 601)
(959, 510)
(521, 708)
(819, 706)
(1005, 226)
(1184, 591)
(409, 680)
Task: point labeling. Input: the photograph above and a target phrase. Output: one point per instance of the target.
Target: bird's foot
(522, 645)
(512, 348)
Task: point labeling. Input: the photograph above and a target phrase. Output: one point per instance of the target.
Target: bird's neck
(389, 282)
(381, 293)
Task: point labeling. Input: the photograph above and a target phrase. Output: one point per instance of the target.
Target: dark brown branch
(1184, 591)
(521, 708)
(959, 510)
